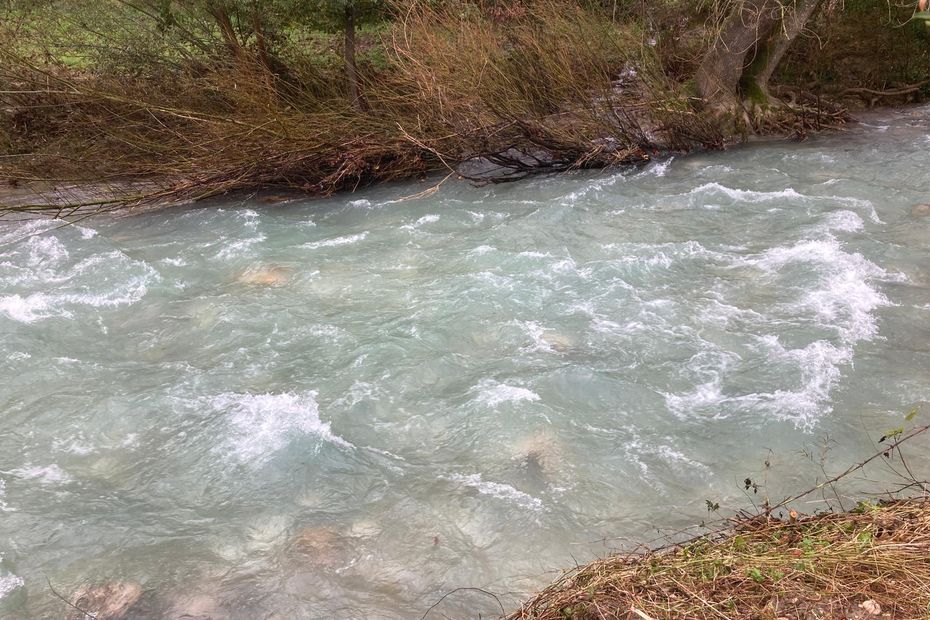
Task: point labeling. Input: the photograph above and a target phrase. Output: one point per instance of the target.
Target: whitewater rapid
(349, 407)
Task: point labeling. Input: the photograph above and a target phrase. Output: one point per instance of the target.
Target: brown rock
(323, 546)
(110, 601)
(541, 451)
(195, 607)
(559, 343)
(275, 199)
(264, 276)
(920, 210)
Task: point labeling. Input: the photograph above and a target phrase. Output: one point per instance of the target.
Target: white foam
(239, 247)
(37, 306)
(86, 233)
(818, 364)
(721, 314)
(27, 309)
(249, 217)
(671, 455)
(844, 299)
(843, 220)
(702, 396)
(27, 229)
(661, 254)
(657, 169)
(499, 491)
(50, 474)
(4, 507)
(495, 280)
(74, 445)
(426, 219)
(592, 186)
(492, 394)
(745, 195)
(9, 582)
(45, 251)
(481, 250)
(337, 241)
(262, 424)
(535, 331)
(754, 196)
(359, 204)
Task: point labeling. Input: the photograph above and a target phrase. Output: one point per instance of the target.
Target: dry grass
(555, 88)
(824, 566)
(868, 562)
(547, 86)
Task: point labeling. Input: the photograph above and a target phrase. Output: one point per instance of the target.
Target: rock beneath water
(111, 601)
(921, 210)
(557, 342)
(365, 529)
(322, 546)
(264, 276)
(542, 452)
(275, 199)
(196, 607)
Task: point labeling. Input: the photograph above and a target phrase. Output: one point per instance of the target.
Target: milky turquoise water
(349, 407)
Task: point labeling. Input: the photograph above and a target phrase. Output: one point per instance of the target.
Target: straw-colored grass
(873, 561)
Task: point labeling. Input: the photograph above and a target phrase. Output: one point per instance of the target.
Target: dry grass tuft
(870, 562)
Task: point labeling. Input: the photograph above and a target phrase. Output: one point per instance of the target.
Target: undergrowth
(98, 92)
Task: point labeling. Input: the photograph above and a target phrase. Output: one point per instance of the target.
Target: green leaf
(892, 434)
(911, 415)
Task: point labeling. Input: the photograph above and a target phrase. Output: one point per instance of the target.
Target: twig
(910, 435)
(447, 594)
(69, 603)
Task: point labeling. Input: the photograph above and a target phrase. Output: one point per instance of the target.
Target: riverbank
(476, 90)
(871, 562)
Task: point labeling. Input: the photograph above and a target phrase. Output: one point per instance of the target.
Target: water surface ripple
(347, 407)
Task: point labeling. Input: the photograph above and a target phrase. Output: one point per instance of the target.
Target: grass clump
(868, 562)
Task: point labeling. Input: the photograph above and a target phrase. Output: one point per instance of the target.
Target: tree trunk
(718, 77)
(349, 55)
(220, 14)
(755, 83)
(260, 43)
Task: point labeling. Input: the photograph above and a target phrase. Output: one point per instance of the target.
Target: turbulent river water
(349, 407)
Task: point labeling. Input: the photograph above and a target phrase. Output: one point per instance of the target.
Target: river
(349, 407)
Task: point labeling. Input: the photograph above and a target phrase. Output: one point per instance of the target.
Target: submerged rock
(110, 601)
(541, 452)
(195, 607)
(264, 276)
(921, 210)
(365, 529)
(322, 546)
(557, 341)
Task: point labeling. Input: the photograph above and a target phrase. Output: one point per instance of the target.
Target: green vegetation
(210, 96)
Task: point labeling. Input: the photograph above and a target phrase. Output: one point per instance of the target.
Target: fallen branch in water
(894, 92)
